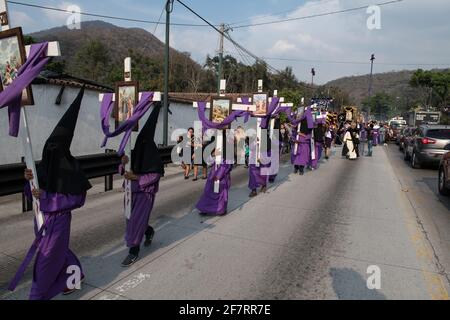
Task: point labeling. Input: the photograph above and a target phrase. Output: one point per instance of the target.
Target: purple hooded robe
(143, 193)
(212, 203)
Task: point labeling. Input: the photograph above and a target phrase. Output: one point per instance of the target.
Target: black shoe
(253, 194)
(195, 179)
(130, 260)
(296, 171)
(149, 237)
(263, 189)
(186, 178)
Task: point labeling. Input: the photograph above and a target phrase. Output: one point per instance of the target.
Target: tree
(436, 84)
(382, 105)
(92, 61)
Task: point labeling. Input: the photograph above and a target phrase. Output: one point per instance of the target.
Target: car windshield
(397, 126)
(439, 133)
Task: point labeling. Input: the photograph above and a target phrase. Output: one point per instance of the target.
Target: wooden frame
(19, 54)
(226, 107)
(122, 113)
(257, 98)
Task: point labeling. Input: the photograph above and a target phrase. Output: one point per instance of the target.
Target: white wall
(44, 115)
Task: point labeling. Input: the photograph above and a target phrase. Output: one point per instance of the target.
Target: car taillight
(428, 141)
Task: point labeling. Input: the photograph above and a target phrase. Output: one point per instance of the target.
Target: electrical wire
(226, 36)
(314, 15)
(88, 14)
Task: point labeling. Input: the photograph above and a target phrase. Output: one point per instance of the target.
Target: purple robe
(216, 203)
(376, 137)
(319, 149)
(303, 156)
(143, 192)
(53, 255)
(256, 178)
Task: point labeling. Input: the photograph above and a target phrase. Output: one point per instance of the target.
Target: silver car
(427, 145)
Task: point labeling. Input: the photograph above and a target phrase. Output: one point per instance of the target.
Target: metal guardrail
(95, 166)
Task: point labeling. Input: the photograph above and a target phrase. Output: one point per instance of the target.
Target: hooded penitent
(145, 157)
(59, 171)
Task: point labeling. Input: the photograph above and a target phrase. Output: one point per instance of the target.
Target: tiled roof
(186, 97)
(49, 77)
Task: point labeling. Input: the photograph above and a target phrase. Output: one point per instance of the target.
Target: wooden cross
(52, 51)
(219, 139)
(259, 120)
(298, 130)
(127, 183)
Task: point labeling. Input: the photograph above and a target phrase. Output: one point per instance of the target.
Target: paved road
(310, 237)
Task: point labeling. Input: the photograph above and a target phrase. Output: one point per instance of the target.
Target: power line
(356, 62)
(88, 14)
(228, 37)
(314, 15)
(159, 20)
(276, 13)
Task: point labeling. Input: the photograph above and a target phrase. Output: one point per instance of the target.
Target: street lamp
(372, 59)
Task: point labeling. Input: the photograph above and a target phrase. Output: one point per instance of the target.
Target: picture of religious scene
(126, 100)
(12, 57)
(220, 109)
(260, 100)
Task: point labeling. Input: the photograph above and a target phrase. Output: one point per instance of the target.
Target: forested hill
(395, 84)
(97, 50)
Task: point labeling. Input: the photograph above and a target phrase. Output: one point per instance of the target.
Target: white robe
(351, 147)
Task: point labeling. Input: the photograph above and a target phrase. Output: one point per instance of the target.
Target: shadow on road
(349, 285)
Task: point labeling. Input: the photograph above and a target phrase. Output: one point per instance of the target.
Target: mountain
(117, 39)
(117, 42)
(395, 84)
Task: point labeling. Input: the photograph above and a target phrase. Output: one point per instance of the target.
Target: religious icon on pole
(261, 101)
(127, 97)
(4, 19)
(221, 109)
(12, 57)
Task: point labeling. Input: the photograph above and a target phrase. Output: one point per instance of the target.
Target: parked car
(427, 145)
(405, 133)
(395, 129)
(444, 173)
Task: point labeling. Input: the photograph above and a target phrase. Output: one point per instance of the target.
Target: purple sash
(127, 126)
(12, 95)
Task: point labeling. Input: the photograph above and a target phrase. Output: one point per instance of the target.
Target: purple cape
(216, 203)
(143, 198)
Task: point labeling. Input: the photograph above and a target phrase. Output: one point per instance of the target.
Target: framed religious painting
(12, 58)
(221, 109)
(261, 101)
(127, 97)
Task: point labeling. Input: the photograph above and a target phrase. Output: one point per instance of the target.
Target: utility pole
(372, 59)
(313, 74)
(220, 71)
(169, 9)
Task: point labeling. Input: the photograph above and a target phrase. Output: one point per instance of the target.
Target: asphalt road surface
(309, 237)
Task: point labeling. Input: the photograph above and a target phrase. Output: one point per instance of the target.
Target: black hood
(59, 171)
(145, 156)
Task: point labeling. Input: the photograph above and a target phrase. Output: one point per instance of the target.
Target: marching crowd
(308, 137)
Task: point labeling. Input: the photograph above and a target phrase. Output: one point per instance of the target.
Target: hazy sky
(413, 34)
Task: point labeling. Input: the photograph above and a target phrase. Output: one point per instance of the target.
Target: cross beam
(219, 140)
(53, 50)
(156, 97)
